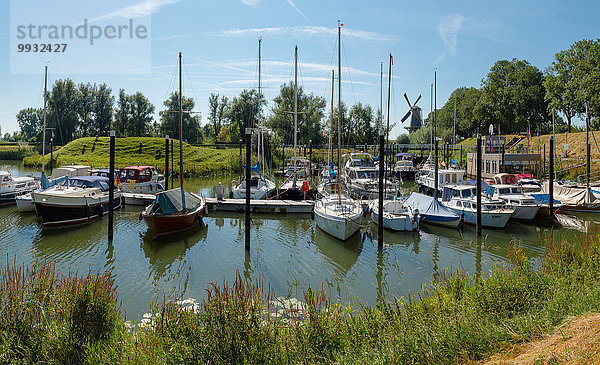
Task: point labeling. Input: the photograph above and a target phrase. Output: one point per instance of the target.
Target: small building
(495, 159)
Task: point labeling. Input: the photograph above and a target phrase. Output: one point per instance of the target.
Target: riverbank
(50, 317)
(198, 161)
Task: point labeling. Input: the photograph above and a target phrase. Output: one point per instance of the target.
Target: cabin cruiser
(404, 168)
(12, 187)
(361, 177)
(141, 180)
(525, 206)
(462, 200)
(299, 167)
(79, 199)
(104, 173)
(426, 179)
(396, 216)
(260, 186)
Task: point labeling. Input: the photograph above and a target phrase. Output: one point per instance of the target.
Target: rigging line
(171, 83)
(349, 74)
(190, 82)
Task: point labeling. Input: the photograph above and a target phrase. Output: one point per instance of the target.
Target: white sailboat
(296, 185)
(338, 214)
(261, 187)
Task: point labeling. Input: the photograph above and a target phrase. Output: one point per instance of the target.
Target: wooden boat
(175, 210)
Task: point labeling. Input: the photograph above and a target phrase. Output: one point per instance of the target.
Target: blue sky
(219, 41)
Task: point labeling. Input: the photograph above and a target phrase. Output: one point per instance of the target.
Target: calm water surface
(287, 251)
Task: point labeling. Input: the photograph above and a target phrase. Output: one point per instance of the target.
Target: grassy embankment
(15, 152)
(198, 161)
(52, 318)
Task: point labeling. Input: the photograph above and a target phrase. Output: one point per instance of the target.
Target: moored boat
(11, 187)
(77, 200)
(174, 211)
(432, 211)
(395, 215)
(340, 216)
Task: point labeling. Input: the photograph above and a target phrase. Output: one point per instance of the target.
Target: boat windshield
(466, 193)
(367, 174)
(504, 191)
(129, 174)
(79, 183)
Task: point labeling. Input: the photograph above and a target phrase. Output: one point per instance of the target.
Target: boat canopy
(255, 168)
(428, 205)
(99, 182)
(576, 197)
(172, 201)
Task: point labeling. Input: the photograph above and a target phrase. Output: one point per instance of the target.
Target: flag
(529, 132)
(539, 137)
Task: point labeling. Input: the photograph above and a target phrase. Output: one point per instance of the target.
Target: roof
(139, 168)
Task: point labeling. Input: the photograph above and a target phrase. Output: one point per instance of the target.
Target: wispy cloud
(448, 29)
(310, 30)
(139, 10)
(250, 2)
(293, 5)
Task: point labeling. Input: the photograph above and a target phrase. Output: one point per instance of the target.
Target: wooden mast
(44, 131)
(387, 132)
(339, 113)
(181, 136)
(295, 110)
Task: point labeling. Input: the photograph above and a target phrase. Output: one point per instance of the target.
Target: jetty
(236, 205)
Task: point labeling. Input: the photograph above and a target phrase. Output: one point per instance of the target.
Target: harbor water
(288, 252)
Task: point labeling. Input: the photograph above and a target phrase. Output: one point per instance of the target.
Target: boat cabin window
(103, 185)
(79, 183)
(467, 205)
(447, 178)
(145, 175)
(453, 178)
(516, 191)
(459, 204)
(367, 174)
(466, 193)
(129, 174)
(504, 191)
(6, 178)
(254, 182)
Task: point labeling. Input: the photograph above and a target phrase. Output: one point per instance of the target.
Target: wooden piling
(478, 181)
(381, 173)
(167, 162)
(551, 185)
(111, 186)
(248, 139)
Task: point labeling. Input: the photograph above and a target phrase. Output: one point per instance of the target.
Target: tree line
(517, 97)
(514, 96)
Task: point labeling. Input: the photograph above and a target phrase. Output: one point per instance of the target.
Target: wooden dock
(235, 205)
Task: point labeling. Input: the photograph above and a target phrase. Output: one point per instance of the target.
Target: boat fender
(100, 211)
(312, 213)
(140, 216)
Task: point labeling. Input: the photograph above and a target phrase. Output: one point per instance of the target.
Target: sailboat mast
(381, 97)
(44, 131)
(180, 127)
(454, 127)
(339, 174)
(387, 134)
(295, 108)
(330, 155)
(259, 100)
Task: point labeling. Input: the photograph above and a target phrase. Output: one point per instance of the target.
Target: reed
(459, 317)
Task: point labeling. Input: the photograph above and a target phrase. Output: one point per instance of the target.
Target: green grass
(14, 152)
(198, 161)
(53, 318)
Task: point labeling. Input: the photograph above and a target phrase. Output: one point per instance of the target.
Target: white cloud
(139, 10)
(448, 30)
(310, 30)
(291, 2)
(250, 2)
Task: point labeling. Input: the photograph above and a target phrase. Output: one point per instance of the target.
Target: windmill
(416, 120)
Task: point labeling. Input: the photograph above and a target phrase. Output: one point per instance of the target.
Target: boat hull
(438, 220)
(65, 214)
(525, 213)
(25, 203)
(488, 219)
(163, 225)
(340, 227)
(402, 222)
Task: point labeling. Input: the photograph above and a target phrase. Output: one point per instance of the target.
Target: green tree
(86, 95)
(217, 113)
(243, 111)
(403, 139)
(140, 121)
(103, 110)
(122, 113)
(514, 97)
(311, 110)
(362, 128)
(190, 122)
(31, 123)
(466, 122)
(62, 110)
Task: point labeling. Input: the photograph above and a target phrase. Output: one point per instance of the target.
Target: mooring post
(167, 162)
(51, 154)
(241, 164)
(551, 185)
(248, 139)
(283, 159)
(381, 172)
(172, 154)
(310, 171)
(111, 186)
(460, 157)
(478, 181)
(435, 169)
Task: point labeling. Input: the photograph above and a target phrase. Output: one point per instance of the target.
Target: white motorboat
(462, 200)
(361, 177)
(260, 187)
(525, 206)
(404, 168)
(11, 187)
(137, 181)
(340, 216)
(25, 201)
(395, 216)
(78, 200)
